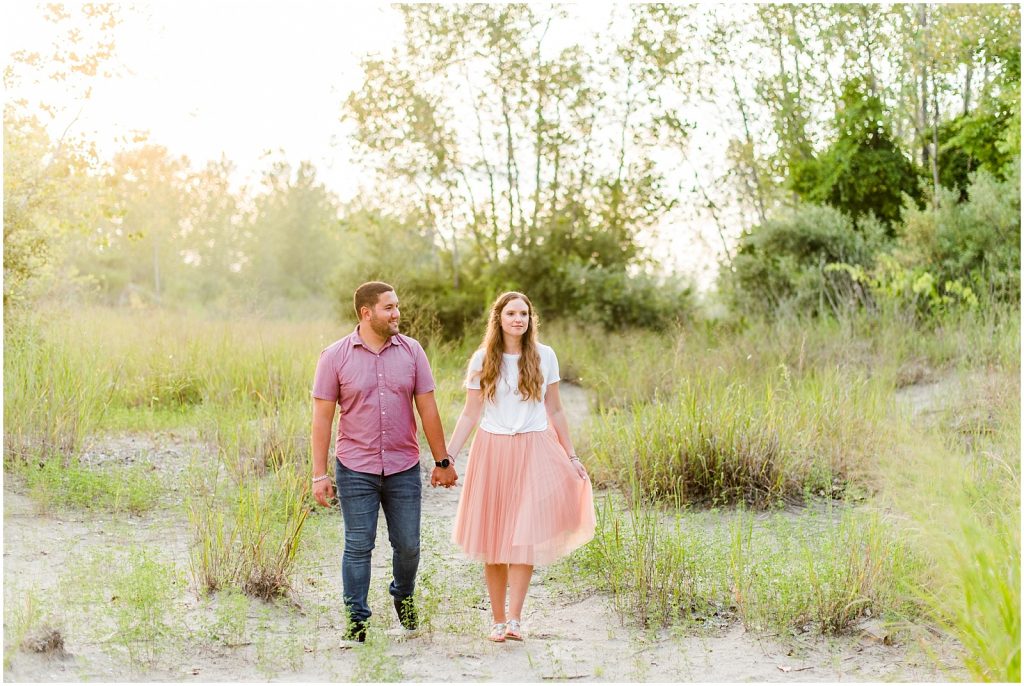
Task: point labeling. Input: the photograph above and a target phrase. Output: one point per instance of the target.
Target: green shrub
(780, 266)
(619, 301)
(724, 442)
(977, 240)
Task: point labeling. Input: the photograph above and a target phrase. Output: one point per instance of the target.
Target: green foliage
(827, 570)
(616, 300)
(977, 241)
(374, 664)
(24, 611)
(54, 483)
(50, 196)
(53, 395)
(658, 575)
(972, 142)
(781, 265)
(250, 540)
(492, 223)
(956, 473)
(722, 443)
(781, 572)
(296, 237)
(231, 617)
(915, 292)
(142, 595)
(864, 171)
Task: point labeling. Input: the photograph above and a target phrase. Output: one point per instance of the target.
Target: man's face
(383, 317)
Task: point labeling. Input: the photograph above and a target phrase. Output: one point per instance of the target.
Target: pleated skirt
(522, 501)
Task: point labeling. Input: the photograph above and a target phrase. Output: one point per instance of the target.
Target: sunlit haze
(244, 79)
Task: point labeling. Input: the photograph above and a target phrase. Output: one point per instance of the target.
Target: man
(374, 375)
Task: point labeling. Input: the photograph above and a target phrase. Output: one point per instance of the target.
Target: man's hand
(323, 491)
(444, 477)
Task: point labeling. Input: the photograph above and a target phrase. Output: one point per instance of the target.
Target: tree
(523, 160)
(294, 238)
(50, 187)
(863, 171)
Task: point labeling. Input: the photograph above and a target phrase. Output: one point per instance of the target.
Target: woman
(527, 499)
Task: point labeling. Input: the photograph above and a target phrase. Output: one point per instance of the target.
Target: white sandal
(513, 631)
(497, 633)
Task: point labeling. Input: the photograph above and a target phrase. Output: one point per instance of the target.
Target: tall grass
(749, 412)
(719, 442)
(105, 369)
(53, 399)
(958, 477)
(249, 541)
(816, 570)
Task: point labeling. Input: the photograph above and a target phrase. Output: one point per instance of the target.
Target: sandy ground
(571, 634)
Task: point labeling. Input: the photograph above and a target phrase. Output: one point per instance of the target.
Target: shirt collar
(358, 340)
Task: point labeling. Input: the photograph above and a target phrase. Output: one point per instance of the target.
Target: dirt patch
(570, 635)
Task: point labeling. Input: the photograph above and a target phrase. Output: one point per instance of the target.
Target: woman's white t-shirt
(508, 413)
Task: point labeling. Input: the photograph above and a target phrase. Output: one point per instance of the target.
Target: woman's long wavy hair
(531, 383)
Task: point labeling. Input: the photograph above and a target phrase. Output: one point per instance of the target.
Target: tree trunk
(759, 192)
(156, 269)
(967, 86)
(922, 19)
(935, 142)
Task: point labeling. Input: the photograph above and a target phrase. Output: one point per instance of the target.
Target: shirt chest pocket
(400, 376)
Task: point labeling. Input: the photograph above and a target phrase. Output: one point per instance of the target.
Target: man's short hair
(368, 294)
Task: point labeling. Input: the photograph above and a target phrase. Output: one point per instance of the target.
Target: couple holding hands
(527, 499)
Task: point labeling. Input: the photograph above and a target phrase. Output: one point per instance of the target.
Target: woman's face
(515, 318)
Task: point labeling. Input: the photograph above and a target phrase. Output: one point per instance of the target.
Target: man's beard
(382, 328)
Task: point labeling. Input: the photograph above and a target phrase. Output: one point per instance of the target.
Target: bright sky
(238, 78)
(244, 78)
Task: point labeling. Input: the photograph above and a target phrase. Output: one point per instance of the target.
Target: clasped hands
(444, 476)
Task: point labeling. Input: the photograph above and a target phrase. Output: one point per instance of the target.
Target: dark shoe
(356, 633)
(406, 610)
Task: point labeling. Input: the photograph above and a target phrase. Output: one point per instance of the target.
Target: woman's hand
(581, 471)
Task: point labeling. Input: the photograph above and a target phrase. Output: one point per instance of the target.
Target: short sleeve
(551, 376)
(424, 377)
(325, 381)
(476, 365)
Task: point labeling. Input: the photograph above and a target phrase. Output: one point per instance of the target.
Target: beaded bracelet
(317, 479)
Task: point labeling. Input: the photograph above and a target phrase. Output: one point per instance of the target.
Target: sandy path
(570, 636)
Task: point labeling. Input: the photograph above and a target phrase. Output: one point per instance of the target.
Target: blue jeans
(361, 496)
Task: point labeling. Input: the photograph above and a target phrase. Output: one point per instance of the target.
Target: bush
(781, 264)
(977, 240)
(617, 301)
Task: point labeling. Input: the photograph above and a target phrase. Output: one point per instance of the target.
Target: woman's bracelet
(318, 479)
(574, 457)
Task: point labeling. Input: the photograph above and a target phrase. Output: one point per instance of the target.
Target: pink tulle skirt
(522, 502)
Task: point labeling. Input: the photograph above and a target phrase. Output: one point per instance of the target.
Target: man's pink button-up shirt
(374, 392)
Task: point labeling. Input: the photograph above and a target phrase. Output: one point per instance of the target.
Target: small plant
(231, 618)
(53, 397)
(276, 650)
(373, 664)
(24, 613)
(141, 598)
(253, 541)
(652, 571)
(71, 484)
(784, 573)
(759, 443)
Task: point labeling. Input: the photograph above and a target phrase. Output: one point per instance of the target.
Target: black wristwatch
(445, 463)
